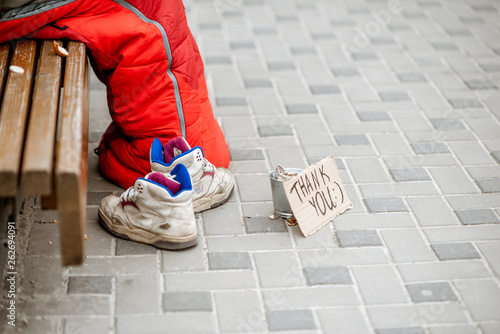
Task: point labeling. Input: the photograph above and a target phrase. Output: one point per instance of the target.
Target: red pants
(145, 54)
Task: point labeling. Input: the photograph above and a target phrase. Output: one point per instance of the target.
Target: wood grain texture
(4, 65)
(14, 114)
(38, 160)
(71, 156)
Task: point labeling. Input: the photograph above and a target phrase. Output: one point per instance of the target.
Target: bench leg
(72, 198)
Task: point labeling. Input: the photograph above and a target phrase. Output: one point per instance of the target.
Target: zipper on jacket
(177, 93)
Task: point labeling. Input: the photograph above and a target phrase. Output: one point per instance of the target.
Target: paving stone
(460, 103)
(431, 292)
(189, 259)
(411, 77)
(328, 275)
(490, 67)
(385, 204)
(480, 84)
(471, 153)
(264, 225)
(431, 211)
(271, 241)
(358, 238)
(352, 140)
(211, 280)
(231, 101)
(229, 260)
(70, 305)
(172, 322)
(430, 148)
(254, 188)
(217, 60)
(303, 50)
(90, 284)
(32, 326)
(496, 156)
(270, 131)
(489, 185)
(342, 257)
(298, 298)
(400, 330)
(279, 66)
(42, 276)
(397, 316)
(452, 180)
(440, 271)
(455, 251)
(258, 83)
(278, 269)
(490, 250)
(490, 328)
(364, 56)
(44, 240)
(137, 293)
(239, 311)
(187, 302)
(390, 144)
(301, 109)
(448, 125)
(127, 247)
(364, 174)
(394, 96)
(407, 245)
(291, 320)
(99, 241)
(409, 174)
(482, 298)
(246, 155)
(239, 45)
(478, 216)
(226, 219)
(116, 265)
(345, 71)
(86, 325)
(374, 116)
(444, 46)
(324, 89)
(95, 197)
(453, 329)
(342, 320)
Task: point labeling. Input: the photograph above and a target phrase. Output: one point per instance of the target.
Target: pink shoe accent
(159, 178)
(178, 143)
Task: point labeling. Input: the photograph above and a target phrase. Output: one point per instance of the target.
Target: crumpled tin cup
(280, 202)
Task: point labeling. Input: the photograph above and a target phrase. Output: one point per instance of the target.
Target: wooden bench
(44, 134)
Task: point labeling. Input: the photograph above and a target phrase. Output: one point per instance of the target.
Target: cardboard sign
(317, 195)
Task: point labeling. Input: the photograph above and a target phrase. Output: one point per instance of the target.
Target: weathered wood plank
(71, 156)
(14, 114)
(38, 159)
(4, 65)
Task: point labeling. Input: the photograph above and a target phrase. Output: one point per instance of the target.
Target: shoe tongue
(159, 178)
(175, 147)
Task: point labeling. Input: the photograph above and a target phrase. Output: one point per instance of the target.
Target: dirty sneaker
(157, 210)
(211, 186)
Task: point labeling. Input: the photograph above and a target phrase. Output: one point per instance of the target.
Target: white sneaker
(157, 210)
(211, 186)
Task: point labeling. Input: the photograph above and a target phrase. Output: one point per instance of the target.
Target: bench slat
(4, 65)
(14, 114)
(38, 159)
(71, 156)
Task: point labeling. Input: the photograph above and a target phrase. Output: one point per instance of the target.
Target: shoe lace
(208, 166)
(130, 195)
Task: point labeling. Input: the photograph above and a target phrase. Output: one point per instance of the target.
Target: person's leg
(151, 66)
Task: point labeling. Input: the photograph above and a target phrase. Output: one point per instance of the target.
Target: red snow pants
(145, 54)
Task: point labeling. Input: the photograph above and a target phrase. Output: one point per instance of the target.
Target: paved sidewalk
(404, 94)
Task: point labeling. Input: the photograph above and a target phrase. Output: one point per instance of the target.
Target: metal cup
(280, 202)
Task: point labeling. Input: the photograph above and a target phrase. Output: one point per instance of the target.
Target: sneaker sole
(155, 240)
(214, 201)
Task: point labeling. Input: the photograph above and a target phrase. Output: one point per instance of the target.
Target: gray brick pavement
(404, 94)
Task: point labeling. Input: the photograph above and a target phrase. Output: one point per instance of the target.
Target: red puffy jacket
(145, 54)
